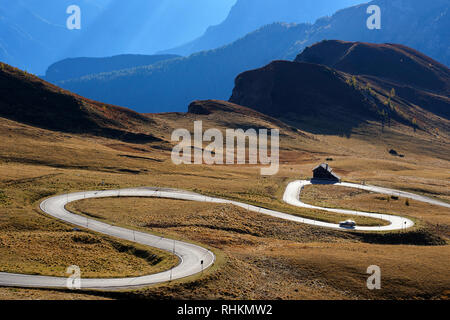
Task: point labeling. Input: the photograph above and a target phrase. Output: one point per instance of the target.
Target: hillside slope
(172, 85)
(382, 83)
(414, 76)
(290, 90)
(28, 99)
(388, 61)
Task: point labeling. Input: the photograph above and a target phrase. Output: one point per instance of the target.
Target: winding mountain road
(193, 259)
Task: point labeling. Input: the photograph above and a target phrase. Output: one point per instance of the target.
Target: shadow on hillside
(324, 125)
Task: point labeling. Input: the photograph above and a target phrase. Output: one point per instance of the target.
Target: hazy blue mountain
(72, 68)
(138, 26)
(33, 33)
(172, 85)
(249, 15)
(424, 26)
(317, 87)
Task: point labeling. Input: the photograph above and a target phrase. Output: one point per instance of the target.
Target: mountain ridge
(33, 34)
(402, 64)
(328, 89)
(30, 100)
(415, 76)
(249, 15)
(72, 68)
(171, 86)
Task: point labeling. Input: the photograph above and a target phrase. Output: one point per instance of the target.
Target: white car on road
(347, 224)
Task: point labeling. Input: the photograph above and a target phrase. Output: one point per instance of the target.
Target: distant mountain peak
(390, 61)
(249, 15)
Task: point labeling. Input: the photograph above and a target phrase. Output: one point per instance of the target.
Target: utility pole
(173, 253)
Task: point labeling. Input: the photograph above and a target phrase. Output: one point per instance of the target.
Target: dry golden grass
(281, 259)
(263, 257)
(232, 226)
(31, 242)
(40, 294)
(349, 198)
(52, 252)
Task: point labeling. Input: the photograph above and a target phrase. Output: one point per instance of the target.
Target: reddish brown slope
(387, 61)
(416, 77)
(28, 99)
(290, 90)
(335, 86)
(232, 111)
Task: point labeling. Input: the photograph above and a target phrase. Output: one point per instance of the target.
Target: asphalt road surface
(193, 259)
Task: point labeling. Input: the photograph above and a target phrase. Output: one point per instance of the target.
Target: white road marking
(190, 255)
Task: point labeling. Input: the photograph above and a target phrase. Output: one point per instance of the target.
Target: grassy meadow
(260, 257)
